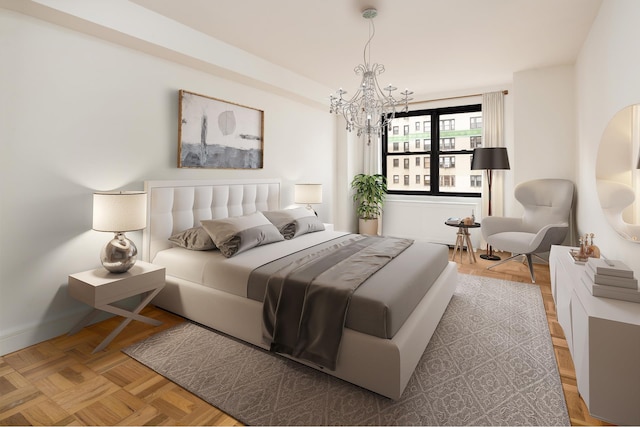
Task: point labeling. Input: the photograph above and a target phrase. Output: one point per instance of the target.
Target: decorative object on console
(236, 143)
(577, 256)
(308, 194)
(119, 211)
(611, 279)
(590, 250)
(490, 159)
(370, 109)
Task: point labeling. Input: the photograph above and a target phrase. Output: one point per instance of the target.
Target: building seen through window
(435, 147)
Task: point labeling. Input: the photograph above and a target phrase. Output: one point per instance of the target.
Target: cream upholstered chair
(547, 207)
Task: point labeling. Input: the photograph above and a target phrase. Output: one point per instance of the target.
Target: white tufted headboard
(174, 206)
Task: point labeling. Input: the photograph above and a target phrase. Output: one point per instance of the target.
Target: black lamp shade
(490, 158)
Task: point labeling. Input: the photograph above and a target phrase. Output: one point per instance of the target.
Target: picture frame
(217, 134)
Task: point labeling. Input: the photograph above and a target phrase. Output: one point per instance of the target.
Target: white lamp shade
(307, 193)
(119, 211)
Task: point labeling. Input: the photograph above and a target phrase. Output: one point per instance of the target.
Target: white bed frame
(380, 365)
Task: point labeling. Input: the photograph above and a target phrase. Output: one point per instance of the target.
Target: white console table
(603, 335)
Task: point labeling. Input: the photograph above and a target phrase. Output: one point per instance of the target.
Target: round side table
(463, 238)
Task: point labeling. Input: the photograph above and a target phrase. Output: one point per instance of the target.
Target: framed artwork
(216, 134)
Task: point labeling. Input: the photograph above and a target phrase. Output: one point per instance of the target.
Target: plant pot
(368, 226)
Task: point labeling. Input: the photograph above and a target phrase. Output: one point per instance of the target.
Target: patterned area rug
(490, 362)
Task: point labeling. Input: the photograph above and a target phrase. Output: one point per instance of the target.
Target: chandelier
(370, 109)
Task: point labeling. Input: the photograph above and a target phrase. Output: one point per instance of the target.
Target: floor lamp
(489, 159)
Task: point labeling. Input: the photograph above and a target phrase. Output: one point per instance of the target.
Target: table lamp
(490, 159)
(308, 194)
(119, 211)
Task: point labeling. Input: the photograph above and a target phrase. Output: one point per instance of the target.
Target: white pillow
(195, 239)
(294, 222)
(237, 234)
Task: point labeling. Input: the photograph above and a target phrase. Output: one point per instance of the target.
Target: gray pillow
(195, 239)
(294, 222)
(238, 234)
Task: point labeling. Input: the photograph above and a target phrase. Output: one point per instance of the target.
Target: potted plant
(369, 195)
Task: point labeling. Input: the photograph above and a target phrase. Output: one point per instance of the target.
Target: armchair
(547, 207)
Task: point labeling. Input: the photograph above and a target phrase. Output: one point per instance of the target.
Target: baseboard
(36, 333)
(27, 336)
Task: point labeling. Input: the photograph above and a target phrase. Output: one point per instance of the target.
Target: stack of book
(611, 279)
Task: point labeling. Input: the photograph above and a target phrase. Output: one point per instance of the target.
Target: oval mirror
(618, 173)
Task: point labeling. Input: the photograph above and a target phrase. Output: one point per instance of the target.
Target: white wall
(544, 126)
(80, 114)
(607, 80)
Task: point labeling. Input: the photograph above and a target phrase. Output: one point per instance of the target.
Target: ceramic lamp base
(119, 254)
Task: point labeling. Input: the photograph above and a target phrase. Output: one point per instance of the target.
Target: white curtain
(372, 152)
(372, 163)
(493, 136)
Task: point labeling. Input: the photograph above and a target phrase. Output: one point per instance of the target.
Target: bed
(378, 353)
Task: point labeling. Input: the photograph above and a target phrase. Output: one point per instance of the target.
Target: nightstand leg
(130, 315)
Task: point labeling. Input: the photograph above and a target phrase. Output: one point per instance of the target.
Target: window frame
(434, 153)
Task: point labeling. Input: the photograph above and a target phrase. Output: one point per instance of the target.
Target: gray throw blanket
(306, 301)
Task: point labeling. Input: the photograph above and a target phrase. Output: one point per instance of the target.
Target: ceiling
(428, 46)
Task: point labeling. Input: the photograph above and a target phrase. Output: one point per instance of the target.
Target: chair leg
(540, 258)
(528, 259)
(503, 261)
(530, 262)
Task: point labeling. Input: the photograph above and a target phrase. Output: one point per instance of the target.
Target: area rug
(489, 362)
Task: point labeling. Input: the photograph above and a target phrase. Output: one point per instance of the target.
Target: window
(448, 124)
(396, 130)
(447, 144)
(447, 162)
(475, 122)
(447, 181)
(436, 161)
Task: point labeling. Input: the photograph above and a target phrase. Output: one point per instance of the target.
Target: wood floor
(59, 382)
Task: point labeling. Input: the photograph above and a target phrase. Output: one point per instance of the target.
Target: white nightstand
(99, 288)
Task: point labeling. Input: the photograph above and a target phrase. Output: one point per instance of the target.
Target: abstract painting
(217, 134)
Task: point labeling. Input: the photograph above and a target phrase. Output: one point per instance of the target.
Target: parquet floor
(59, 381)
